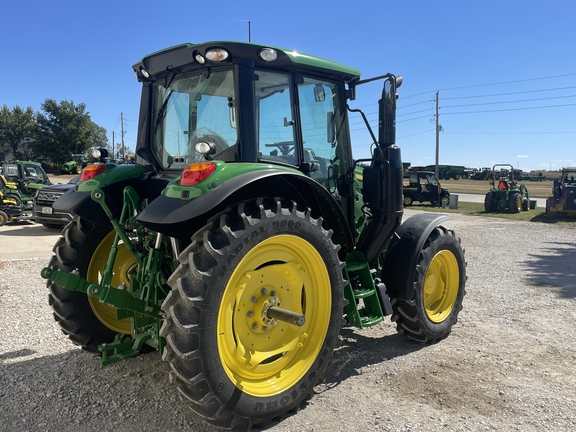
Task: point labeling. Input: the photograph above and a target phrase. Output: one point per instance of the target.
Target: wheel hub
(259, 286)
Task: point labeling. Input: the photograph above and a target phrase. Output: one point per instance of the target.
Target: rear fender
(179, 217)
(112, 182)
(403, 253)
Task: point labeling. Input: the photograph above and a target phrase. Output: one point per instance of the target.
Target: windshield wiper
(162, 111)
(167, 83)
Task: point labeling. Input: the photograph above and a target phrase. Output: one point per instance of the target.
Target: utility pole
(122, 125)
(113, 156)
(249, 32)
(437, 137)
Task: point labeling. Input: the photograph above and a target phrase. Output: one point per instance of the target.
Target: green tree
(64, 129)
(16, 125)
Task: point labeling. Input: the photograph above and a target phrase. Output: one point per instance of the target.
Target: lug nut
(254, 299)
(250, 314)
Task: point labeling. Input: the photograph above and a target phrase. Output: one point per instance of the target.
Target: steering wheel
(285, 146)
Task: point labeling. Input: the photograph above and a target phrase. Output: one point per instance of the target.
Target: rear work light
(92, 171)
(196, 172)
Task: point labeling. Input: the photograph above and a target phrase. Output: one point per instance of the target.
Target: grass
(477, 209)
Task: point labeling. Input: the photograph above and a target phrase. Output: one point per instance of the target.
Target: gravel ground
(508, 364)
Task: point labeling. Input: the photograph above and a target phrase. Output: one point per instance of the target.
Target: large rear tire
(438, 289)
(489, 203)
(515, 203)
(85, 246)
(238, 367)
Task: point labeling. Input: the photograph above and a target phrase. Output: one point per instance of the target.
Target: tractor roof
(190, 56)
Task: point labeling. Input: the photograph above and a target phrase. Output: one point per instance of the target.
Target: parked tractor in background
(563, 199)
(423, 186)
(482, 174)
(245, 235)
(505, 194)
(447, 172)
(75, 165)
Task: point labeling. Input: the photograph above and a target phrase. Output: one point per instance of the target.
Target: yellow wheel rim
(441, 285)
(407, 201)
(261, 356)
(124, 265)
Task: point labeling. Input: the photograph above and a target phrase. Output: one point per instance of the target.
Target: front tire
(438, 288)
(238, 367)
(408, 200)
(3, 218)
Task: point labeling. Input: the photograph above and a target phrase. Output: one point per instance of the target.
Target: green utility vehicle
(75, 165)
(245, 235)
(423, 186)
(20, 180)
(505, 194)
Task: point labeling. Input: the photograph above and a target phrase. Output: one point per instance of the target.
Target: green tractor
(75, 165)
(505, 194)
(246, 236)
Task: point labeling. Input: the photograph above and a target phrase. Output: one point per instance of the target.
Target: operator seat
(321, 176)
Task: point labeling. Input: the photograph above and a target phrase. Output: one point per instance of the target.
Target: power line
(418, 133)
(509, 109)
(491, 84)
(508, 94)
(513, 101)
(509, 133)
(508, 82)
(414, 112)
(415, 118)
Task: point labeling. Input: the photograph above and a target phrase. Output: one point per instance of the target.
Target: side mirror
(387, 111)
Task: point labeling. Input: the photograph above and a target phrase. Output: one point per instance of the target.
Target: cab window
(323, 133)
(276, 140)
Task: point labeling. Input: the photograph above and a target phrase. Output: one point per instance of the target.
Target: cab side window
(322, 122)
(276, 138)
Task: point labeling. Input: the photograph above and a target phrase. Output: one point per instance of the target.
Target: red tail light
(92, 171)
(197, 172)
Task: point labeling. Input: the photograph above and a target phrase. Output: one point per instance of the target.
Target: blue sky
(505, 70)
